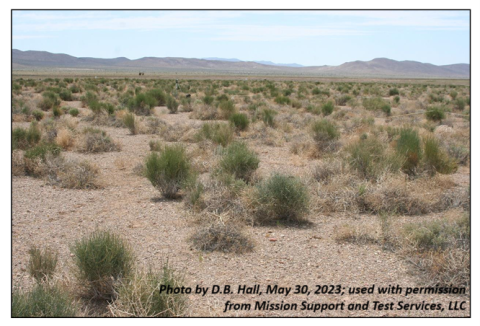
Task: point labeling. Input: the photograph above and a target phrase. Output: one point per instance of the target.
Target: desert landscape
(122, 183)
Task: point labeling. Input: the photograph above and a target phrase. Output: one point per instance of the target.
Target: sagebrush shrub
(240, 121)
(43, 301)
(102, 258)
(239, 161)
(282, 197)
(169, 170)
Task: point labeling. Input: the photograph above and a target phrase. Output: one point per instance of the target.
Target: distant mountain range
(268, 63)
(380, 67)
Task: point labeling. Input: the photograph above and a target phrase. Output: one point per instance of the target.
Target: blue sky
(304, 37)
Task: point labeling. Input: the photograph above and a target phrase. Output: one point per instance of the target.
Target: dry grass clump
(393, 198)
(18, 163)
(42, 263)
(65, 139)
(139, 295)
(44, 300)
(94, 140)
(204, 112)
(221, 237)
(350, 234)
(71, 174)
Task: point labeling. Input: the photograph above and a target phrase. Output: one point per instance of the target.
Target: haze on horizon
(309, 38)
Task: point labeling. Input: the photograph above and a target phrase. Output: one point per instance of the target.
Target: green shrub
(393, 92)
(435, 114)
(40, 151)
(73, 112)
(219, 133)
(408, 145)
(172, 105)
(387, 109)
(282, 100)
(57, 112)
(239, 161)
(222, 97)
(50, 100)
(435, 159)
(342, 100)
(223, 238)
(453, 95)
(140, 295)
(396, 100)
(268, 117)
(459, 104)
(42, 301)
(130, 123)
(240, 121)
(368, 157)
(327, 108)
(141, 104)
(24, 139)
(208, 100)
(66, 95)
(159, 96)
(325, 133)
(227, 108)
(75, 89)
(42, 264)
(374, 103)
(102, 258)
(38, 115)
(19, 139)
(316, 91)
(282, 197)
(168, 171)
